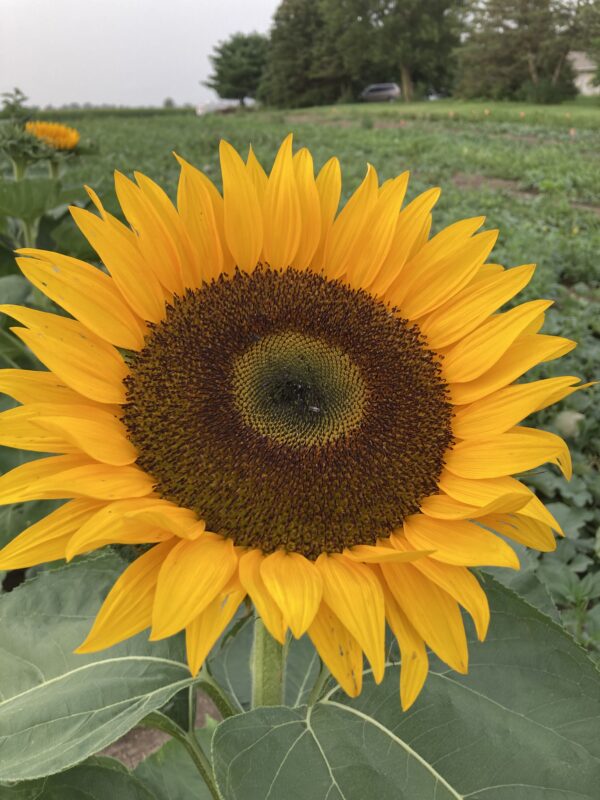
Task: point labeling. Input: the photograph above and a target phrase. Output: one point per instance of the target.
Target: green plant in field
(25, 200)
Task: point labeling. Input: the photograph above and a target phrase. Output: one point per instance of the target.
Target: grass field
(534, 171)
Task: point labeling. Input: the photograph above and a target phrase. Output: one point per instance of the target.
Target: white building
(585, 72)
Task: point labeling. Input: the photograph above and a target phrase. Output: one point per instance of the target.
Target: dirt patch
(139, 743)
(384, 124)
(529, 138)
(587, 207)
(468, 180)
(309, 119)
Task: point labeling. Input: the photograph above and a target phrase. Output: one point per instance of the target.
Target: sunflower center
(298, 390)
(289, 411)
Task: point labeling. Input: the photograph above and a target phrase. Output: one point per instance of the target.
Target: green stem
(267, 668)
(19, 168)
(202, 763)
(191, 744)
(30, 231)
(217, 694)
(322, 679)
(54, 169)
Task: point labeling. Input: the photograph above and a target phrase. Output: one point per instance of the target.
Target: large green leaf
(96, 779)
(14, 289)
(30, 198)
(56, 707)
(522, 725)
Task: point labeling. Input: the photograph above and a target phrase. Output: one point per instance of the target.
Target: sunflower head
(54, 134)
(318, 410)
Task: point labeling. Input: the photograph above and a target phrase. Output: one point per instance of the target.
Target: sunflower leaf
(56, 707)
(520, 726)
(95, 779)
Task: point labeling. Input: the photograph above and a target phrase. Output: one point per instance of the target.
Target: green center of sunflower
(298, 390)
(289, 411)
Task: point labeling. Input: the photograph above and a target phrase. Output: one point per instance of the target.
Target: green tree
(326, 50)
(292, 77)
(238, 65)
(517, 49)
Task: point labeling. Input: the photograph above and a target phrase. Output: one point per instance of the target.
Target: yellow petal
(432, 612)
(243, 218)
(19, 428)
(536, 510)
(451, 239)
(167, 516)
(349, 226)
(375, 554)
(460, 584)
(110, 526)
(154, 239)
(193, 574)
(372, 249)
(204, 630)
(127, 609)
(198, 214)
(527, 351)
(469, 308)
(415, 663)
(89, 295)
(501, 410)
(30, 386)
(458, 542)
(252, 581)
(116, 246)
(529, 532)
(218, 210)
(517, 450)
(257, 174)
(91, 430)
(329, 187)
(354, 594)
(481, 349)
(486, 271)
(47, 539)
(440, 269)
(172, 222)
(442, 506)
(295, 585)
(407, 237)
(310, 209)
(281, 210)
(339, 650)
(67, 476)
(481, 492)
(84, 362)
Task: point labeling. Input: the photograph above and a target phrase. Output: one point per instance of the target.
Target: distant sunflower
(316, 411)
(60, 137)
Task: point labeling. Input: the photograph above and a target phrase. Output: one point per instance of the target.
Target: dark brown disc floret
(289, 411)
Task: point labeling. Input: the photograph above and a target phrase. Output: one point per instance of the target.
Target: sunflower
(54, 134)
(317, 411)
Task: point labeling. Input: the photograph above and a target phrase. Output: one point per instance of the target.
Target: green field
(534, 172)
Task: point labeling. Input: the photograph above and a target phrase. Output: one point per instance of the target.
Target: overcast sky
(126, 52)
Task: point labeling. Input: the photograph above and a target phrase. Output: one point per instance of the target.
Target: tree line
(327, 51)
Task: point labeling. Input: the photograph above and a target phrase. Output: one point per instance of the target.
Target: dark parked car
(381, 92)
